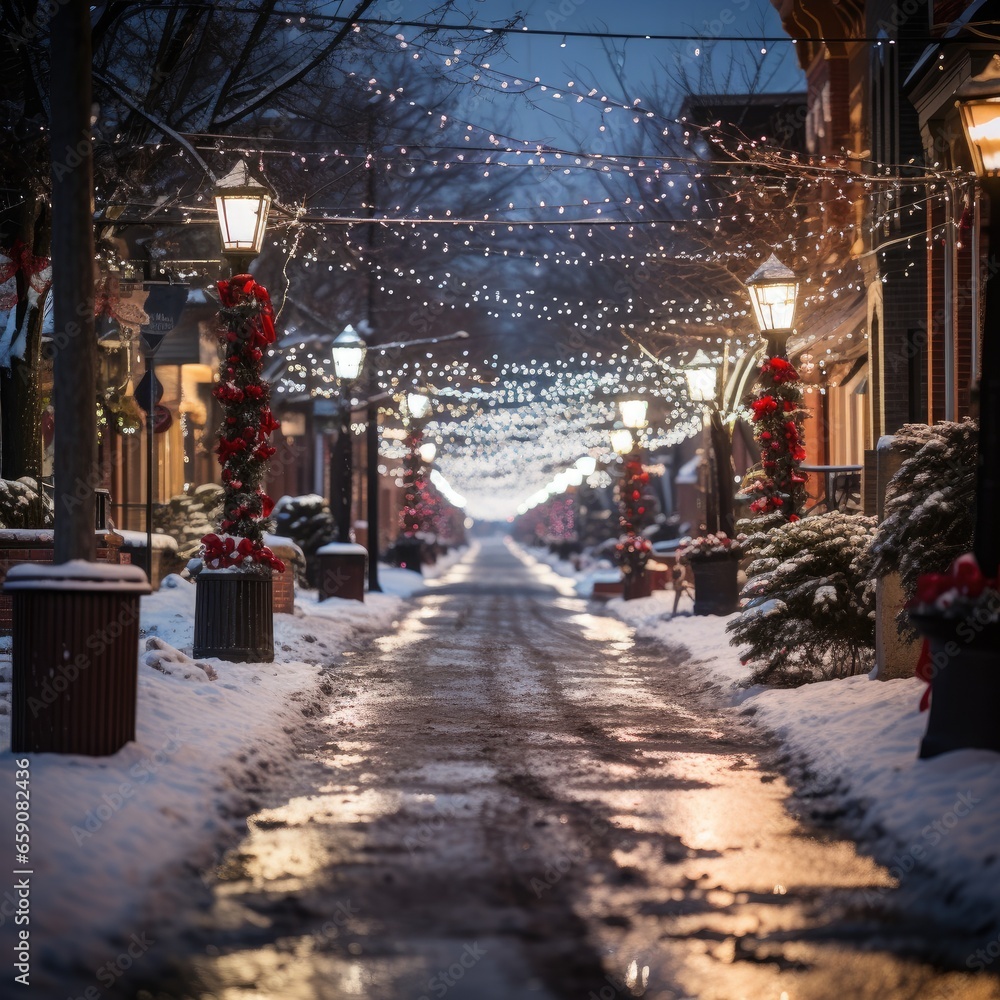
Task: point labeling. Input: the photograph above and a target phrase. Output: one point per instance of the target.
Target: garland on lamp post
(778, 491)
(633, 550)
(243, 449)
(411, 513)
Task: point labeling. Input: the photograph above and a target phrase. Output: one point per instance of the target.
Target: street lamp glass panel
(242, 204)
(419, 406)
(702, 378)
(428, 452)
(982, 129)
(348, 353)
(622, 441)
(773, 289)
(587, 465)
(633, 413)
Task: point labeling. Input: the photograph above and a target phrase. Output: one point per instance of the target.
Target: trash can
(75, 656)
(234, 616)
(342, 570)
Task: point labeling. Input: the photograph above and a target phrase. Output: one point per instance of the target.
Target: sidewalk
(852, 754)
(112, 836)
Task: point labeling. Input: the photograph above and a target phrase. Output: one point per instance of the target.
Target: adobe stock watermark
(931, 835)
(108, 974)
(575, 852)
(119, 797)
(68, 672)
(440, 983)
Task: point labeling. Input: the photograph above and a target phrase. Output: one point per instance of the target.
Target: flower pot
(636, 583)
(965, 685)
(716, 591)
(234, 617)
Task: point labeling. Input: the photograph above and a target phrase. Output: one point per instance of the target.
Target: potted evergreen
(234, 608)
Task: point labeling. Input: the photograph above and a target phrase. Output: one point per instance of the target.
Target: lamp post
(633, 549)
(348, 355)
(779, 494)
(702, 375)
(242, 203)
(416, 409)
(979, 104)
(773, 290)
(234, 617)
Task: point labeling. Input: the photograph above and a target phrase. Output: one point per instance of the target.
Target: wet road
(512, 799)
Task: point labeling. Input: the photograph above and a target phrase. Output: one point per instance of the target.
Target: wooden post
(76, 470)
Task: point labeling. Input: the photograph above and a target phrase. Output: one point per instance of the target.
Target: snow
(137, 540)
(854, 744)
(111, 835)
(26, 535)
(341, 549)
(280, 545)
(77, 574)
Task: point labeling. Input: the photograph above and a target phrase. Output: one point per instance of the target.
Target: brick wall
(40, 550)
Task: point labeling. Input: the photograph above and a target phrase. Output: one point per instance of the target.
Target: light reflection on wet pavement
(510, 799)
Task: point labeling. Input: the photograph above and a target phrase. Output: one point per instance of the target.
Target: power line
(605, 35)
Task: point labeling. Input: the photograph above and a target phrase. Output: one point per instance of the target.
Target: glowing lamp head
(773, 290)
(242, 204)
(633, 413)
(348, 353)
(622, 441)
(587, 465)
(417, 405)
(702, 376)
(979, 104)
(428, 452)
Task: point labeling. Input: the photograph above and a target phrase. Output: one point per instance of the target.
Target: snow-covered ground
(853, 744)
(110, 835)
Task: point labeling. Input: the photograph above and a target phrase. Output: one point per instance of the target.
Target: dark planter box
(716, 590)
(409, 552)
(965, 687)
(636, 583)
(75, 657)
(343, 567)
(234, 617)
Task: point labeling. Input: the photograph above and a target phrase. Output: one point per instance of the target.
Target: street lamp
(348, 354)
(633, 413)
(773, 290)
(979, 103)
(418, 406)
(428, 452)
(702, 375)
(242, 204)
(587, 465)
(622, 441)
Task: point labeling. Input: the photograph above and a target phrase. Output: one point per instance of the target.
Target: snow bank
(111, 835)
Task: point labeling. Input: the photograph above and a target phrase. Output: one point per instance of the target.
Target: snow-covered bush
(308, 522)
(22, 505)
(187, 517)
(930, 504)
(808, 608)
